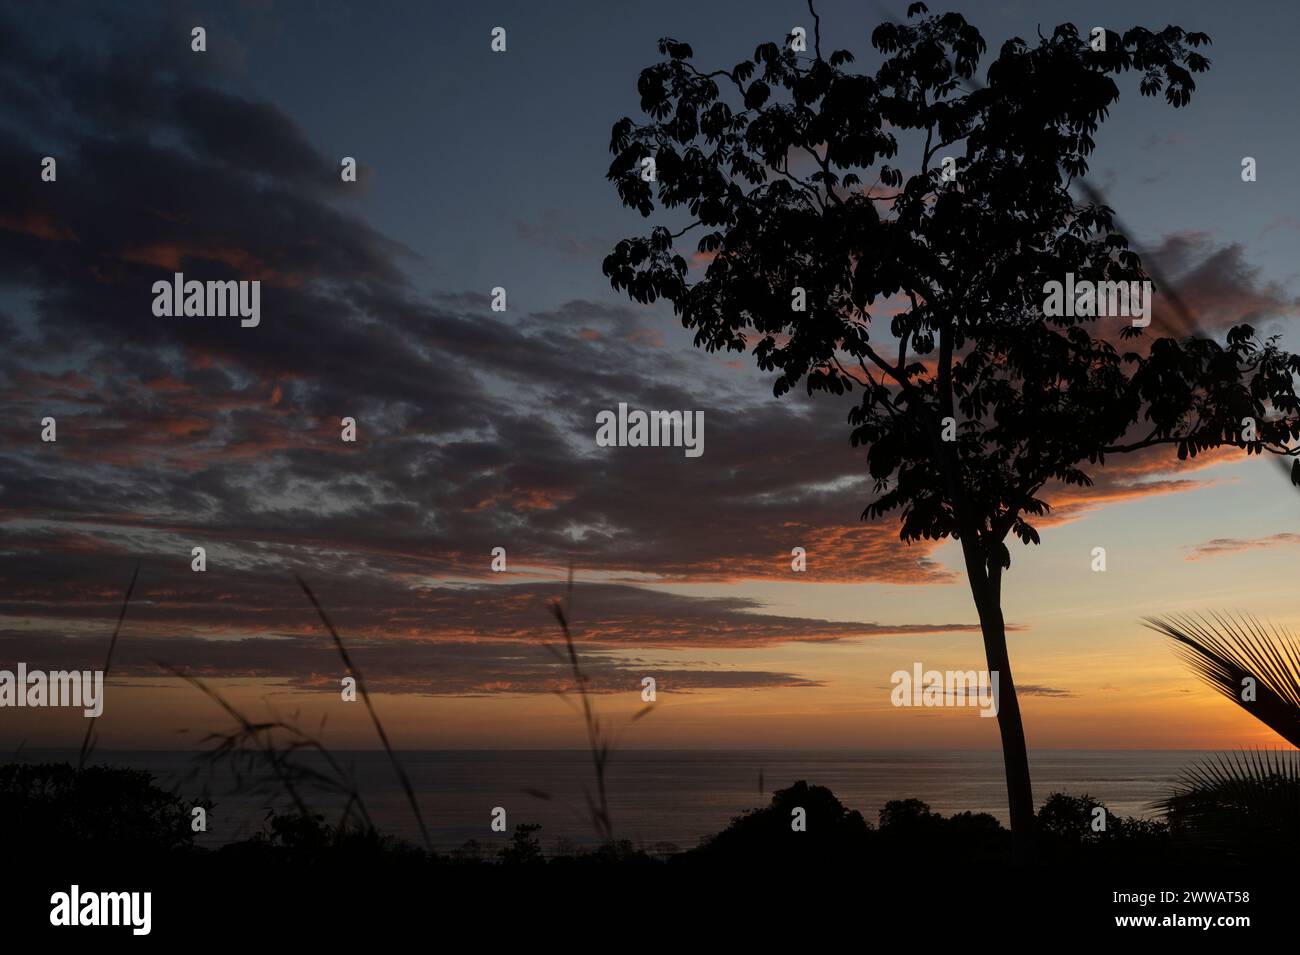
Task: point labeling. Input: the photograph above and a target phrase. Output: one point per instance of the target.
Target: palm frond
(1225, 651)
(1240, 804)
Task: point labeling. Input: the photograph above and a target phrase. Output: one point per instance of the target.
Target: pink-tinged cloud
(1233, 545)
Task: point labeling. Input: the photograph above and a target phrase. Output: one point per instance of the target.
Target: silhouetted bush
(1068, 830)
(294, 838)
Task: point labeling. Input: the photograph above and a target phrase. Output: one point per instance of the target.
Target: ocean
(655, 797)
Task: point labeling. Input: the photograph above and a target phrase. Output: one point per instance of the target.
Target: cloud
(1217, 284)
(556, 233)
(1033, 689)
(476, 429)
(409, 633)
(1231, 545)
(1130, 477)
(251, 593)
(404, 667)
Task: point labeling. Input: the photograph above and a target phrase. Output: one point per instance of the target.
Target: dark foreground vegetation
(301, 878)
(111, 812)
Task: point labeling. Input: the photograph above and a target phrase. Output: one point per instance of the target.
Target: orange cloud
(172, 256)
(39, 225)
(1126, 478)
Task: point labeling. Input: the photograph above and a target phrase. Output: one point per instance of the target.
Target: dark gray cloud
(476, 428)
(426, 667)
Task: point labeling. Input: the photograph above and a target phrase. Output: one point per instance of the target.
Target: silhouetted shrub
(307, 839)
(524, 847)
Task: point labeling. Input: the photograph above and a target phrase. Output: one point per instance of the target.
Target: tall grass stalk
(379, 726)
(599, 744)
(87, 744)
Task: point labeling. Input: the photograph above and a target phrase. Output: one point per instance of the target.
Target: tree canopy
(924, 289)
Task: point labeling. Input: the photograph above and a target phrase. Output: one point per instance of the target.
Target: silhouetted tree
(95, 810)
(909, 828)
(832, 832)
(972, 399)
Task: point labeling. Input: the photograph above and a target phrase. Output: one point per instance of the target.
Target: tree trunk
(986, 588)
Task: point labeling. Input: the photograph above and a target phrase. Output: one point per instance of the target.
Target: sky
(476, 427)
